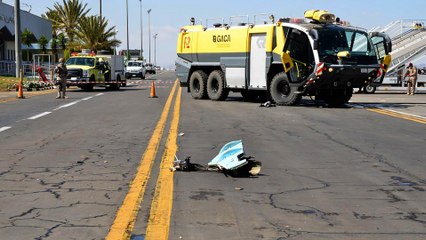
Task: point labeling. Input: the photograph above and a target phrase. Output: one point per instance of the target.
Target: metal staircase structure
(408, 43)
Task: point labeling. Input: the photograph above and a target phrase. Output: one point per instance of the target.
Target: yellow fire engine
(87, 70)
(281, 60)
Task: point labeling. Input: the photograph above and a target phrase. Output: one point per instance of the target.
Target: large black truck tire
(281, 91)
(216, 86)
(198, 84)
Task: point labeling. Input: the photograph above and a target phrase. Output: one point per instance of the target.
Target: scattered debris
(231, 160)
(183, 165)
(239, 188)
(186, 165)
(267, 104)
(181, 134)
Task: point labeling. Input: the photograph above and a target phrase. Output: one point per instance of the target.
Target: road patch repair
(231, 160)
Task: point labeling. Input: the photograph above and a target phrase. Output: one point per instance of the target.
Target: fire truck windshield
(357, 43)
(82, 61)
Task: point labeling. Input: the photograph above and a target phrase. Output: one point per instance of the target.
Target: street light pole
(100, 8)
(155, 49)
(127, 29)
(149, 34)
(141, 53)
(18, 54)
(115, 37)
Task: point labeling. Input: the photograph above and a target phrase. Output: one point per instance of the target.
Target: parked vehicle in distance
(135, 68)
(150, 68)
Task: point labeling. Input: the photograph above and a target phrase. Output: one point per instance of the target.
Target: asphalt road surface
(96, 166)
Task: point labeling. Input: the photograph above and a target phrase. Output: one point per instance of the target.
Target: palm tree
(53, 17)
(43, 41)
(27, 38)
(54, 46)
(94, 34)
(62, 41)
(65, 16)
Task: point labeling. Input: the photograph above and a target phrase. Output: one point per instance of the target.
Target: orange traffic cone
(20, 91)
(153, 90)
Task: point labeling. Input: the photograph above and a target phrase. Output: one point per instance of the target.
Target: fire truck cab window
(333, 41)
(297, 43)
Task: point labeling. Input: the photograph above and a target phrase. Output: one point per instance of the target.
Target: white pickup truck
(135, 69)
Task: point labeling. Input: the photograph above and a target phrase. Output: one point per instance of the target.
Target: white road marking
(39, 115)
(66, 105)
(85, 99)
(2, 129)
(60, 107)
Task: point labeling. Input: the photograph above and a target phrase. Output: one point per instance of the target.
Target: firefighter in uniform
(61, 78)
(412, 79)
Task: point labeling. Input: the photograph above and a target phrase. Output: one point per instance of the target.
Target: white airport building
(37, 25)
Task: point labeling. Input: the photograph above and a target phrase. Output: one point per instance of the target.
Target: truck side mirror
(314, 34)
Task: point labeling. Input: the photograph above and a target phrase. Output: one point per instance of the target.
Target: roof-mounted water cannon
(320, 16)
(192, 20)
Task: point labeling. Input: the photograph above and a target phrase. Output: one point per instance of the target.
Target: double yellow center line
(161, 208)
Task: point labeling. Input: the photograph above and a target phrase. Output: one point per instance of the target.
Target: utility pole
(155, 49)
(115, 37)
(141, 53)
(149, 34)
(18, 53)
(127, 29)
(100, 8)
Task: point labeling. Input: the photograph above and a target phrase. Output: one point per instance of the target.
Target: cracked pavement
(327, 173)
(65, 175)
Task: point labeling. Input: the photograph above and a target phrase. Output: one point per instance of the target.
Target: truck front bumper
(343, 76)
(77, 81)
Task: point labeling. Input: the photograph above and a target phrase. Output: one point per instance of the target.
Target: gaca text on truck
(87, 70)
(281, 60)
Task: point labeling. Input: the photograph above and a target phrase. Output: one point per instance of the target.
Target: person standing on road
(61, 78)
(412, 79)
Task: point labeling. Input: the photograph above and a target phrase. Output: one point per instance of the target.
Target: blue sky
(168, 16)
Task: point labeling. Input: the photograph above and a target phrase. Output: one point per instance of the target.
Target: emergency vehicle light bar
(320, 16)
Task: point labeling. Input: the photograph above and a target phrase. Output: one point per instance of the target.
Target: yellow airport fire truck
(87, 70)
(319, 56)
